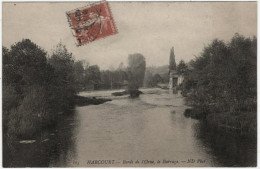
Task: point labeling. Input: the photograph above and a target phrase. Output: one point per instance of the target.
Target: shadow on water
(229, 148)
(50, 146)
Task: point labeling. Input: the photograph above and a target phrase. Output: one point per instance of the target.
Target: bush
(10, 98)
(33, 114)
(10, 101)
(223, 77)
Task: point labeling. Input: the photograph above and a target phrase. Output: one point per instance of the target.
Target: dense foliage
(182, 68)
(221, 82)
(35, 88)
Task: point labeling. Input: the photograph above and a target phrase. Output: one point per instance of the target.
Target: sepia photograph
(129, 84)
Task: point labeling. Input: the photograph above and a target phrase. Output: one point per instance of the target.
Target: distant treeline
(156, 75)
(90, 77)
(221, 83)
(95, 79)
(160, 74)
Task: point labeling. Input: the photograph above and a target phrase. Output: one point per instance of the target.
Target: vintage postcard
(129, 84)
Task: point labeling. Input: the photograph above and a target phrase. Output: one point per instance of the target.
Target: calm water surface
(151, 127)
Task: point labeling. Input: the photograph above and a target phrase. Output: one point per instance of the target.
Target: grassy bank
(35, 115)
(244, 123)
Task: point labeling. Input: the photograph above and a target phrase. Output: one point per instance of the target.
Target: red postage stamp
(91, 23)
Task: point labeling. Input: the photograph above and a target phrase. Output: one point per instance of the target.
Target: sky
(149, 28)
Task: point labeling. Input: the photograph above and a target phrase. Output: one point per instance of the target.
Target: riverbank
(84, 101)
(133, 93)
(22, 123)
(244, 123)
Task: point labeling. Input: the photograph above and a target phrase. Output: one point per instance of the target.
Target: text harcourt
(101, 162)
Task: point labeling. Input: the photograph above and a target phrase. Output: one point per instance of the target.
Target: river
(147, 131)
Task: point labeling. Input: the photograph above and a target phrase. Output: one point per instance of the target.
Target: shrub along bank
(221, 84)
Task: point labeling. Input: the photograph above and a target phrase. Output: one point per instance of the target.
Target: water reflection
(65, 141)
(229, 149)
(52, 146)
(151, 127)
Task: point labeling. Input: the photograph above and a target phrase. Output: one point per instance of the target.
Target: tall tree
(62, 62)
(79, 75)
(93, 75)
(172, 63)
(26, 64)
(136, 71)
